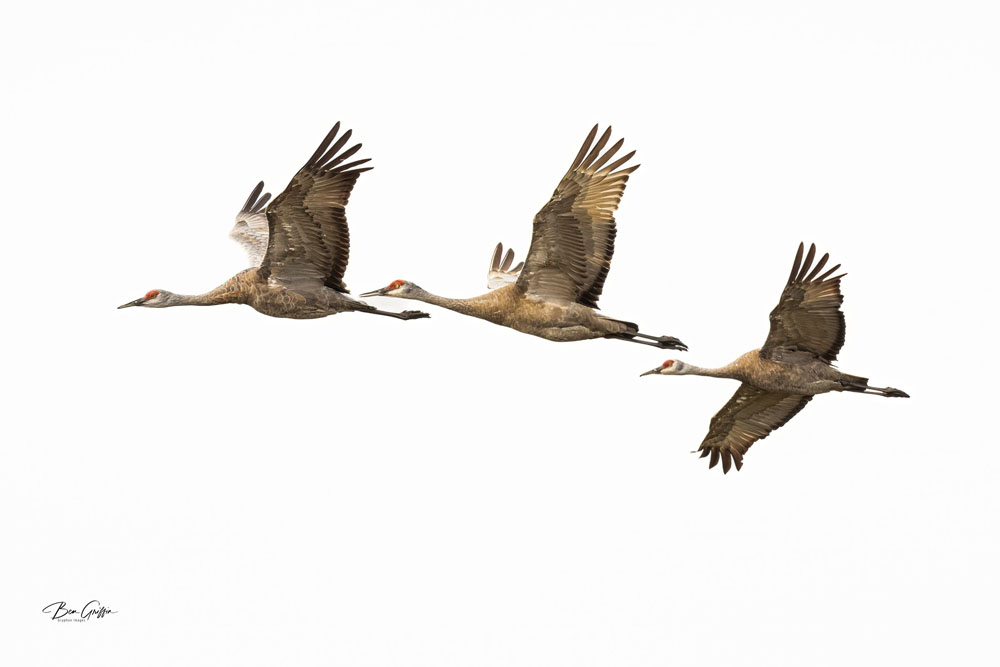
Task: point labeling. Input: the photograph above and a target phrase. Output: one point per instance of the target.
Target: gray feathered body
(789, 373)
(511, 306)
(555, 293)
(249, 287)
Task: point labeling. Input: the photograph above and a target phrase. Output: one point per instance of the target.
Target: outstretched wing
(501, 274)
(308, 237)
(250, 230)
(751, 414)
(574, 233)
(807, 318)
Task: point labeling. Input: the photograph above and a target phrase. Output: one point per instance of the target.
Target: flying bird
(297, 245)
(555, 294)
(795, 364)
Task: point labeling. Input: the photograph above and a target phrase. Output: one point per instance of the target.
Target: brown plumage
(298, 245)
(555, 295)
(795, 364)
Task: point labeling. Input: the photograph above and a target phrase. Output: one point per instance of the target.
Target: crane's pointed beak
(655, 371)
(377, 292)
(137, 302)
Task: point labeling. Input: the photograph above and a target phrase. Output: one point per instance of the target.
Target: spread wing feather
(501, 273)
(308, 236)
(573, 237)
(807, 318)
(751, 414)
(250, 230)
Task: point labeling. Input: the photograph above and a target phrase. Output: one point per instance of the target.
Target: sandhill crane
(795, 364)
(555, 295)
(297, 246)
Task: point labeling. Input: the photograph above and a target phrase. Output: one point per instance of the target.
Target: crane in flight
(554, 296)
(297, 245)
(795, 364)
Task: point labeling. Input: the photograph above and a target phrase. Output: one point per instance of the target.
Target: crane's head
(668, 367)
(155, 298)
(400, 288)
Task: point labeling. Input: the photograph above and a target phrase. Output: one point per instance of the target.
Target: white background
(361, 491)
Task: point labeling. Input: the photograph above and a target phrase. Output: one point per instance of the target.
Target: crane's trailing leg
(405, 315)
(888, 392)
(665, 342)
(662, 342)
(862, 387)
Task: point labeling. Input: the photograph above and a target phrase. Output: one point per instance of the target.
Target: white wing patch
(251, 230)
(501, 273)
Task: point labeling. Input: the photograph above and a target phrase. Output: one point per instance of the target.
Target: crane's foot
(662, 342)
(405, 315)
(670, 343)
(888, 392)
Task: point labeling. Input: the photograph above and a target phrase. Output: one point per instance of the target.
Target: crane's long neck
(206, 299)
(727, 371)
(222, 294)
(474, 307)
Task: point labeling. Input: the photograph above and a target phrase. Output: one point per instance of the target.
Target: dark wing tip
(588, 162)
(827, 274)
(323, 144)
(251, 200)
(495, 261)
(608, 154)
(330, 161)
(326, 157)
(796, 264)
(801, 272)
(346, 167)
(807, 263)
(619, 162)
(584, 148)
(262, 202)
(819, 267)
(508, 259)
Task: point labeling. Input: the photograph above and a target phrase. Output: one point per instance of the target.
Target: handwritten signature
(61, 612)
